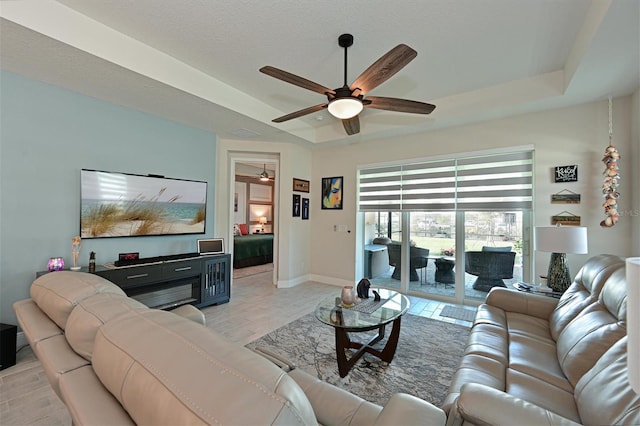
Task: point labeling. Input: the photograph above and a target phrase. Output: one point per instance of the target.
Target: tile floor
(256, 308)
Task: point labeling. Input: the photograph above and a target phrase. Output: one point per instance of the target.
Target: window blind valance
(486, 182)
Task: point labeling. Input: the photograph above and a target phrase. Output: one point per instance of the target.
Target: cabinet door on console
(216, 280)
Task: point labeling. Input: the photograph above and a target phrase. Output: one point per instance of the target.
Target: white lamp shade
(344, 108)
(633, 321)
(561, 239)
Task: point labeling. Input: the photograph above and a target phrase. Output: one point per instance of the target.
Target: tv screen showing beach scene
(127, 205)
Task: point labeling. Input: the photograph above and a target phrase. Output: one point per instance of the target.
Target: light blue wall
(47, 134)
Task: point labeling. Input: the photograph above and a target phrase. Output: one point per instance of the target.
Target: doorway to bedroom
(254, 215)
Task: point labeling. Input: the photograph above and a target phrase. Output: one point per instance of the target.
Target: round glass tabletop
(359, 317)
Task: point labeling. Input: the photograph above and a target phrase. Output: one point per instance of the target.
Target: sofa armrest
(190, 312)
(404, 409)
(283, 363)
(482, 405)
(335, 406)
(525, 303)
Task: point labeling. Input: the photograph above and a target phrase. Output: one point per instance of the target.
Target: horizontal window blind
(491, 182)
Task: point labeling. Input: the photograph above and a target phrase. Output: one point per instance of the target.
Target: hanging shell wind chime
(611, 180)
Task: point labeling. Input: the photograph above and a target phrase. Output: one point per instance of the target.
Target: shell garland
(610, 186)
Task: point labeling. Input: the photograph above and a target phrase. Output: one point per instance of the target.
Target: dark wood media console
(166, 284)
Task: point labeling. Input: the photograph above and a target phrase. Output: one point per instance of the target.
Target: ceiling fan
(347, 102)
(264, 176)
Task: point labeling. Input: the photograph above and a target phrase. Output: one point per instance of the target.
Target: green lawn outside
(436, 244)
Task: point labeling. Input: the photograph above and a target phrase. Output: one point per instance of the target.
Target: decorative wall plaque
(565, 197)
(566, 173)
(565, 219)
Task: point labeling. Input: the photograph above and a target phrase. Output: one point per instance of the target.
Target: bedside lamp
(633, 321)
(559, 240)
(262, 221)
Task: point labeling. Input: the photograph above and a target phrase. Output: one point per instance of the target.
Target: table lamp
(633, 321)
(262, 221)
(559, 240)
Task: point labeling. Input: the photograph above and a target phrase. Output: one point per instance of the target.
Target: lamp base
(558, 276)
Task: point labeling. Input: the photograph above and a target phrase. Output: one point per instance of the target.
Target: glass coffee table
(358, 319)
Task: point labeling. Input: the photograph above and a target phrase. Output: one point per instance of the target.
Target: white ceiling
(197, 62)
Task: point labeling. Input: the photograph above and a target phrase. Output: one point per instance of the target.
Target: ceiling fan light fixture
(264, 176)
(345, 108)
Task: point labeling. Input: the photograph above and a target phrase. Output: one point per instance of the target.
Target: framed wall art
(300, 185)
(332, 193)
(305, 209)
(296, 205)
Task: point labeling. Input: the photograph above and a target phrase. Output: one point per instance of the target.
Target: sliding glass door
(439, 245)
(448, 228)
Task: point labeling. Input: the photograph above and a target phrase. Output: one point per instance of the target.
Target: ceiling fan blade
(399, 105)
(300, 113)
(351, 125)
(296, 80)
(382, 69)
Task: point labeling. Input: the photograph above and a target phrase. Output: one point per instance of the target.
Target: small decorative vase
(55, 264)
(348, 296)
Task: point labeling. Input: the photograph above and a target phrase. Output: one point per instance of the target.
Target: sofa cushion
(90, 314)
(489, 341)
(88, 402)
(541, 393)
(584, 290)
(476, 368)
(538, 359)
(603, 394)
(585, 339)
(57, 293)
(35, 324)
(150, 352)
(57, 359)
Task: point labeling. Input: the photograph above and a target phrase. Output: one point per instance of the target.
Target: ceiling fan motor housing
(345, 40)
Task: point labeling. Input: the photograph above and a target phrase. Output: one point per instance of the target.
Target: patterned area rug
(458, 313)
(427, 356)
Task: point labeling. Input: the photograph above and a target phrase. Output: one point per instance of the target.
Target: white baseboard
(292, 283)
(330, 280)
(316, 278)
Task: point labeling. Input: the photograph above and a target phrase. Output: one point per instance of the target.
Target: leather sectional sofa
(535, 360)
(113, 361)
(530, 360)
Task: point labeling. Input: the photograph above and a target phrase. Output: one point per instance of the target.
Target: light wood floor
(256, 308)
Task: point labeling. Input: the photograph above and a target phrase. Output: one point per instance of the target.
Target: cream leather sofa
(113, 361)
(534, 360)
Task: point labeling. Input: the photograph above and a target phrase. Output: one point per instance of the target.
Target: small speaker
(8, 335)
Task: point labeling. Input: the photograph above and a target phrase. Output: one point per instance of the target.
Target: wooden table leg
(343, 343)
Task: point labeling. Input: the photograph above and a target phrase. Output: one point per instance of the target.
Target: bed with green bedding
(251, 250)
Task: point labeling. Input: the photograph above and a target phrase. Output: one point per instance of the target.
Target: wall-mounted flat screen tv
(128, 205)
